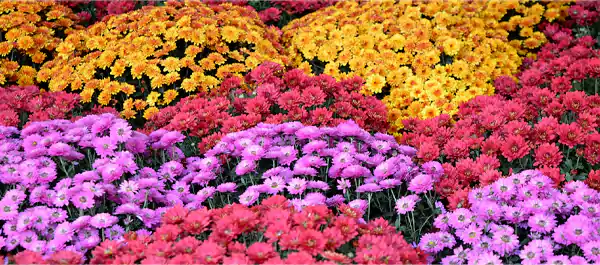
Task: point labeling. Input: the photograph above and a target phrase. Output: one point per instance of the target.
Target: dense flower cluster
(29, 34)
(298, 7)
(314, 166)
(19, 105)
(273, 11)
(175, 50)
(268, 94)
(520, 219)
(430, 55)
(270, 233)
(584, 13)
(546, 122)
(63, 181)
(92, 11)
(248, 151)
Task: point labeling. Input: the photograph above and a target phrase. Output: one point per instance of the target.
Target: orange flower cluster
(146, 59)
(29, 34)
(424, 57)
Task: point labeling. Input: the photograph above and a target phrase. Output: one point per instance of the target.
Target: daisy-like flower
(441, 221)
(359, 204)
(504, 242)
(245, 167)
(503, 188)
(530, 255)
(421, 183)
(120, 131)
(542, 223)
(60, 149)
(318, 184)
(368, 187)
(206, 192)
(578, 229)
(343, 185)
(227, 187)
(471, 234)
(115, 232)
(406, 204)
(430, 243)
(249, 197)
(8, 210)
(128, 208)
(286, 155)
(253, 152)
(296, 186)
(335, 200)
(105, 146)
(591, 250)
(129, 187)
(83, 200)
(103, 220)
(460, 218)
(274, 185)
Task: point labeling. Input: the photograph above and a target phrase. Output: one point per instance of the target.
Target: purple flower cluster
(65, 184)
(521, 219)
(311, 165)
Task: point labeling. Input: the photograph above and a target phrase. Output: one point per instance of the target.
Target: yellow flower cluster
(29, 33)
(430, 55)
(143, 60)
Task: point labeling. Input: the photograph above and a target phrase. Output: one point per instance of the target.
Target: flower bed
(425, 58)
(29, 34)
(549, 122)
(270, 94)
(270, 233)
(520, 219)
(67, 185)
(175, 50)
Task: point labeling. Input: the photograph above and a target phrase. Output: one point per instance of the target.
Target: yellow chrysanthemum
(30, 30)
(152, 99)
(169, 96)
(164, 53)
(149, 112)
(375, 83)
(451, 46)
(447, 47)
(230, 34)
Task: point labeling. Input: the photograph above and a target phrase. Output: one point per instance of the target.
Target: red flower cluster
(299, 7)
(17, 102)
(29, 257)
(547, 122)
(270, 233)
(20, 105)
(268, 94)
(102, 8)
(585, 13)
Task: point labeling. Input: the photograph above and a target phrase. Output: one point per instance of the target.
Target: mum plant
(23, 104)
(280, 13)
(30, 32)
(521, 219)
(68, 185)
(273, 95)
(149, 58)
(549, 121)
(91, 12)
(269, 233)
(424, 58)
(317, 166)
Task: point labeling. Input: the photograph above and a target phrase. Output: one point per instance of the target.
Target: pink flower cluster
(521, 219)
(64, 183)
